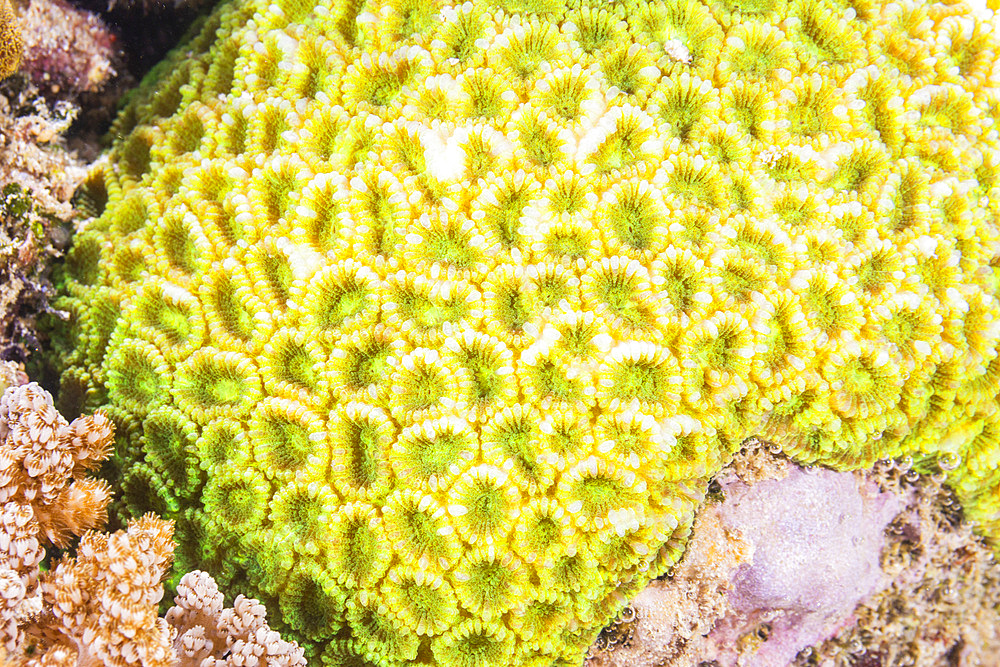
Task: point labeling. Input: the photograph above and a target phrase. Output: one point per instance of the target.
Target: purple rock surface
(816, 538)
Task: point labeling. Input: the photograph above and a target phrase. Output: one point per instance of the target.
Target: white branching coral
(209, 635)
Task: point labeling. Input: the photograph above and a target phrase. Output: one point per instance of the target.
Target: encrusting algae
(428, 323)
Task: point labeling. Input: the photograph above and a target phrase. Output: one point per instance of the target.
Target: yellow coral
(10, 40)
(428, 322)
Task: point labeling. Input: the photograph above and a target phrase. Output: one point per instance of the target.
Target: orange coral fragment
(45, 497)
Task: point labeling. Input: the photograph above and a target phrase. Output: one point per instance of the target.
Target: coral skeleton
(944, 600)
(428, 323)
(936, 593)
(936, 585)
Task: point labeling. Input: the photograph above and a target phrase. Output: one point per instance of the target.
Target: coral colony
(428, 323)
(99, 607)
(10, 40)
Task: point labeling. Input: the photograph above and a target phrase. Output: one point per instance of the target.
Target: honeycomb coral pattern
(428, 322)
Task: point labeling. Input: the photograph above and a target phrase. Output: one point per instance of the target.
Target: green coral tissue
(429, 322)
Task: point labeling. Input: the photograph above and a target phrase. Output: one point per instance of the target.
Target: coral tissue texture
(429, 322)
(10, 40)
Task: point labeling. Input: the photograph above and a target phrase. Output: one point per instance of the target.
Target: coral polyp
(429, 322)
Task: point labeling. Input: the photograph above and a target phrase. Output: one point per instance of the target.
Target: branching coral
(45, 460)
(46, 497)
(100, 606)
(503, 284)
(209, 635)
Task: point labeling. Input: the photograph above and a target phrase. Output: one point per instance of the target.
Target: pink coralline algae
(66, 50)
(771, 570)
(810, 566)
